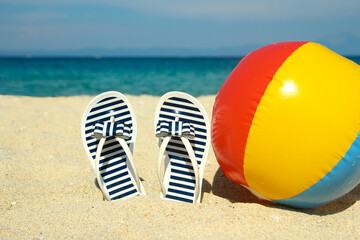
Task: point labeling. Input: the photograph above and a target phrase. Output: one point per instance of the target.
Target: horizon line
(120, 56)
(136, 56)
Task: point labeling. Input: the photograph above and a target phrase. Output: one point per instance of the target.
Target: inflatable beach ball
(286, 124)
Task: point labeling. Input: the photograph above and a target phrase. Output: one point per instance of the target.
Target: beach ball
(286, 124)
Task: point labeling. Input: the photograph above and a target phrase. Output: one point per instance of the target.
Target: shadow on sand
(225, 188)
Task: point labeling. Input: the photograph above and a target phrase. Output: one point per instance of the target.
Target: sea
(45, 76)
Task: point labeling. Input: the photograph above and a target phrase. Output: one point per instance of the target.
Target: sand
(48, 188)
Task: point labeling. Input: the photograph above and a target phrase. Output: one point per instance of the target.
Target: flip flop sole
(114, 170)
(179, 177)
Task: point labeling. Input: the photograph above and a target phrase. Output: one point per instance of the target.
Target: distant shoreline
(131, 57)
(120, 57)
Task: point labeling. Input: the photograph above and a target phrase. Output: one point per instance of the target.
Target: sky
(47, 25)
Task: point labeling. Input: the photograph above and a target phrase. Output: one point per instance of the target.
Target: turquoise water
(136, 76)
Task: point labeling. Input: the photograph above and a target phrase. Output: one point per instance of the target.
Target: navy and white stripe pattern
(181, 183)
(110, 129)
(175, 128)
(113, 168)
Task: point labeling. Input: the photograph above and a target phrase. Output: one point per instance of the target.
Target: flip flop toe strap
(111, 129)
(120, 131)
(184, 130)
(175, 128)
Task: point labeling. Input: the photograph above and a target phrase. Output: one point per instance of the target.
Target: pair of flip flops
(109, 129)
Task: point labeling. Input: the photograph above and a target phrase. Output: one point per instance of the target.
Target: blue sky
(57, 25)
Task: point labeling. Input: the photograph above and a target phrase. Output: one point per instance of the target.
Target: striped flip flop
(183, 131)
(108, 132)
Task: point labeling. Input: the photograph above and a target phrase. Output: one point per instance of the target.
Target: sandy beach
(48, 187)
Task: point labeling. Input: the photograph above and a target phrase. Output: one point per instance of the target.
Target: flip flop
(108, 132)
(183, 131)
